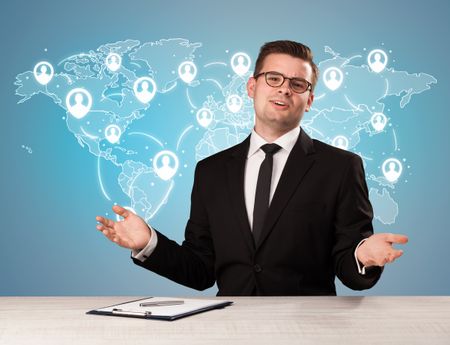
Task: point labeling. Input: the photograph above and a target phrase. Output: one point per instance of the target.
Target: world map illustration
(149, 110)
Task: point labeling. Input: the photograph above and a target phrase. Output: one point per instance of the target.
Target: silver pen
(160, 303)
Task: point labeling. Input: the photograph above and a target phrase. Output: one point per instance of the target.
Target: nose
(284, 88)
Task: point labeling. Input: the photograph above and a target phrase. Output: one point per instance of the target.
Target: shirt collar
(286, 141)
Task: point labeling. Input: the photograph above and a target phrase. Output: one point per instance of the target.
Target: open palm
(132, 232)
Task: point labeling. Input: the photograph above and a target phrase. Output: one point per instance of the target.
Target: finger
(396, 238)
(392, 256)
(121, 211)
(101, 228)
(396, 254)
(110, 233)
(105, 221)
(381, 262)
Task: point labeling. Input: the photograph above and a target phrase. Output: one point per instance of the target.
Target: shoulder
(214, 167)
(220, 158)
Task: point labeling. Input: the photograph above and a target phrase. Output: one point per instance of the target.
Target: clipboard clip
(125, 312)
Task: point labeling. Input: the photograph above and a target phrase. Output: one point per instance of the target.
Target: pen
(125, 312)
(160, 303)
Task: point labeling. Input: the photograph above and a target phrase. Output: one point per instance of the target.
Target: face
(287, 114)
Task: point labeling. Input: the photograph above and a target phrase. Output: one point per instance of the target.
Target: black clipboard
(190, 307)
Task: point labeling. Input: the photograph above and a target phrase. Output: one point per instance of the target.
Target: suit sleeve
(353, 222)
(191, 263)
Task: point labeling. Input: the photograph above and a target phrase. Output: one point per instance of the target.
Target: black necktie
(262, 195)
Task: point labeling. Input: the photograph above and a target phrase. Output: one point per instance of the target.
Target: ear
(251, 87)
(310, 101)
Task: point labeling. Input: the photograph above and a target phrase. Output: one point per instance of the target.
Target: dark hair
(291, 48)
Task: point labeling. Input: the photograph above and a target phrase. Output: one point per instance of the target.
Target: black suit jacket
(319, 213)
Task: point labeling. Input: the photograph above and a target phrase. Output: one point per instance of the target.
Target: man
(318, 224)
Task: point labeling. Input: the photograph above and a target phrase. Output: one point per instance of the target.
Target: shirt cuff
(148, 249)
(361, 270)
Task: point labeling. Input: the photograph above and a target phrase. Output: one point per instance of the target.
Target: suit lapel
(235, 172)
(298, 164)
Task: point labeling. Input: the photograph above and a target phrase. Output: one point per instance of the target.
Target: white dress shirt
(254, 159)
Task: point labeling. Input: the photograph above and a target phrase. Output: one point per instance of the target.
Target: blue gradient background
(48, 241)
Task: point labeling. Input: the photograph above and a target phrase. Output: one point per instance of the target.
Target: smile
(279, 103)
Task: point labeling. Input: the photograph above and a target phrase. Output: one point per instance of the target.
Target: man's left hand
(377, 250)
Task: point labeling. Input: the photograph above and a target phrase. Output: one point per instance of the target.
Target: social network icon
(78, 102)
(187, 71)
(341, 142)
(165, 164)
(378, 121)
(43, 72)
(113, 61)
(144, 89)
(392, 169)
(204, 117)
(113, 133)
(240, 62)
(333, 78)
(234, 103)
(377, 60)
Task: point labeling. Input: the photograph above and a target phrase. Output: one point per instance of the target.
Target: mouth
(279, 104)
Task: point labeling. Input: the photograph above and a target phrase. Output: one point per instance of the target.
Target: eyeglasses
(276, 79)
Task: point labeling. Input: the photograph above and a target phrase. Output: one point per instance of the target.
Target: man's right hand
(132, 232)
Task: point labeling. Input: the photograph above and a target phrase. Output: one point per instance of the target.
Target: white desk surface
(249, 321)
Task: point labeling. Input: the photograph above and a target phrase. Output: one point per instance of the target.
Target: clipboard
(190, 306)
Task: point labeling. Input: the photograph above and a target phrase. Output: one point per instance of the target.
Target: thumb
(121, 211)
(397, 238)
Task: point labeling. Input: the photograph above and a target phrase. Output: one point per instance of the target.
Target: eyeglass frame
(309, 88)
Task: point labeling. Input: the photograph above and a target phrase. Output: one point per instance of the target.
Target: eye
(274, 77)
(299, 84)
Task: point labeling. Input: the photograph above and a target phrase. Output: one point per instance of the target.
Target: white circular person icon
(333, 78)
(240, 62)
(204, 117)
(341, 142)
(144, 89)
(78, 102)
(378, 121)
(392, 169)
(113, 61)
(187, 71)
(43, 72)
(234, 103)
(165, 164)
(375, 62)
(113, 133)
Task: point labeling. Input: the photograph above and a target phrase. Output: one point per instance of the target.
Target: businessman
(279, 213)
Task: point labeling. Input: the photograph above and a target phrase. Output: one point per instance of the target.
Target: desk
(251, 320)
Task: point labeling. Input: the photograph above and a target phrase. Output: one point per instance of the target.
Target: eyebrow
(302, 78)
